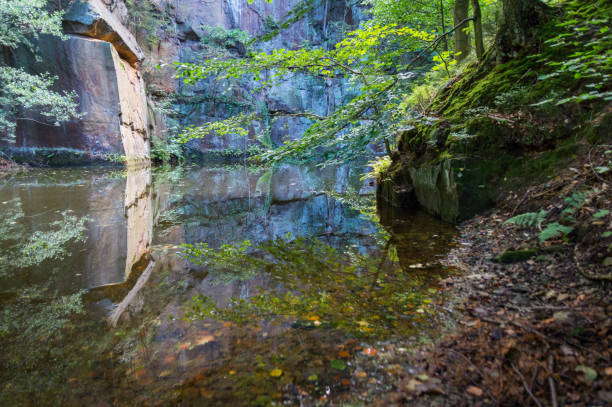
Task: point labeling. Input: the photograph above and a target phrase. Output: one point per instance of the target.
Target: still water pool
(211, 286)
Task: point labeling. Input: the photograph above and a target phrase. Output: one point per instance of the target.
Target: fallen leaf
(313, 378)
(589, 373)
(474, 391)
(204, 340)
(343, 354)
(361, 374)
(370, 351)
(561, 316)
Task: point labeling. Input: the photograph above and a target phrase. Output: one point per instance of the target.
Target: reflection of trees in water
(34, 319)
(42, 329)
(318, 285)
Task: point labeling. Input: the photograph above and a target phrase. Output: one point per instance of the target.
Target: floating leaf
(276, 373)
(370, 352)
(338, 364)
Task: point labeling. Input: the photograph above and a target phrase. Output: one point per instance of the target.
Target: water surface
(318, 279)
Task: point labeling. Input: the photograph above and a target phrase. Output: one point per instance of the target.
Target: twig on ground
(594, 277)
(477, 370)
(551, 382)
(534, 398)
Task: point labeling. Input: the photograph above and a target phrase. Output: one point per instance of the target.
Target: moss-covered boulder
(502, 126)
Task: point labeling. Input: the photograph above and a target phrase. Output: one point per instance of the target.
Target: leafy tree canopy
(22, 92)
(380, 61)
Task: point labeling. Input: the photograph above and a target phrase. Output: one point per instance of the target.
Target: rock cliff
(98, 60)
(109, 58)
(190, 30)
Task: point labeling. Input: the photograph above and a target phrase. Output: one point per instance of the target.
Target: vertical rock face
(98, 61)
(187, 26)
(102, 61)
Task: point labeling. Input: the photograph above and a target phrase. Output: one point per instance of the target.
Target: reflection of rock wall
(228, 206)
(139, 213)
(101, 259)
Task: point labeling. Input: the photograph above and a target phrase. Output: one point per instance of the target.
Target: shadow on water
(228, 286)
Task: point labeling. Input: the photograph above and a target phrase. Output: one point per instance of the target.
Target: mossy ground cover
(511, 124)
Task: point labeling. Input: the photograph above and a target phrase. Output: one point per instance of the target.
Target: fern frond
(528, 219)
(554, 230)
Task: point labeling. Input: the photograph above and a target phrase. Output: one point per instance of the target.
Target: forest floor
(533, 331)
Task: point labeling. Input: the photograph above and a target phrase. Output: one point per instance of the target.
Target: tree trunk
(442, 19)
(462, 40)
(521, 18)
(325, 12)
(478, 29)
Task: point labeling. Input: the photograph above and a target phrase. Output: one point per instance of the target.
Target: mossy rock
(515, 256)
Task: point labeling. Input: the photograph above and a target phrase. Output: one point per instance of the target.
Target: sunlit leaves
(372, 59)
(581, 51)
(315, 285)
(20, 21)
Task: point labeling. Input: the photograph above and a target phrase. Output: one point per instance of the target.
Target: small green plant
(554, 229)
(525, 220)
(166, 150)
(420, 98)
(225, 38)
(379, 167)
(115, 158)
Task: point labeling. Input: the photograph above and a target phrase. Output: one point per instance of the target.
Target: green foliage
(581, 52)
(574, 202)
(166, 150)
(419, 99)
(22, 20)
(378, 166)
(115, 158)
(372, 58)
(222, 37)
(234, 126)
(525, 220)
(553, 230)
(22, 93)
